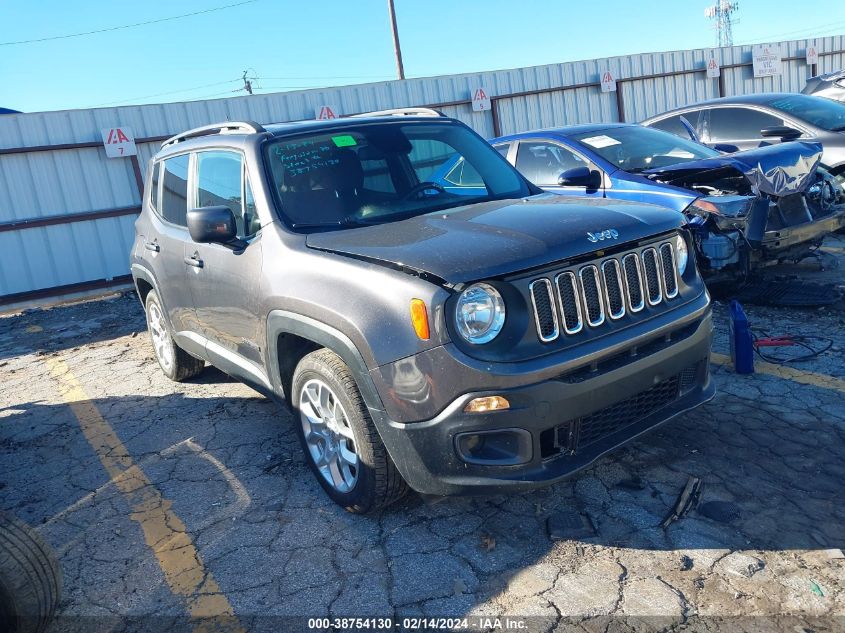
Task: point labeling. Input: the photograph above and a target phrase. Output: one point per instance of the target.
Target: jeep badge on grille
(609, 234)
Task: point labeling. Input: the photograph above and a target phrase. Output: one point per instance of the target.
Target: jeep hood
(776, 170)
(491, 239)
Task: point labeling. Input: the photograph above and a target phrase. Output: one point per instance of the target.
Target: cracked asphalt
(230, 481)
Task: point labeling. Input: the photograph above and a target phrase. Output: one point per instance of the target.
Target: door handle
(194, 261)
(152, 246)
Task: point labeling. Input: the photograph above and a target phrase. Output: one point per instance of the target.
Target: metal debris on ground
(569, 524)
(686, 563)
(687, 500)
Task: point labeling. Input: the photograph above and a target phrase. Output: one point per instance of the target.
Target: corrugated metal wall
(57, 182)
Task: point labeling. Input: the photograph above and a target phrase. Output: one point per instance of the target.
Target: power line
(170, 92)
(127, 26)
(820, 30)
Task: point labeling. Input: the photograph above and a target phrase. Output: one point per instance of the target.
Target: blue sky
(298, 44)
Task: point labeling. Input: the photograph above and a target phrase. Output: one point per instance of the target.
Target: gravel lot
(222, 470)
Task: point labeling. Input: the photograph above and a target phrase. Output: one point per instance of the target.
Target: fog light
(487, 403)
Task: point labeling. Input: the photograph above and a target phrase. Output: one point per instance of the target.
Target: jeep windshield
(373, 173)
(634, 148)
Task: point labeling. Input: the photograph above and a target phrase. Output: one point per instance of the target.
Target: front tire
(341, 444)
(176, 363)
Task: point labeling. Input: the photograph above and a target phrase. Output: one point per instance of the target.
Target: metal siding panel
(70, 181)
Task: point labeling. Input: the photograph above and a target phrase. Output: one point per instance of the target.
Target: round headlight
(682, 253)
(480, 313)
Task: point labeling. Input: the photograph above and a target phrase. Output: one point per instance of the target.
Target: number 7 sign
(119, 142)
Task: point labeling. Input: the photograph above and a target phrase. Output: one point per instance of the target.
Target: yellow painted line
(789, 373)
(832, 249)
(164, 532)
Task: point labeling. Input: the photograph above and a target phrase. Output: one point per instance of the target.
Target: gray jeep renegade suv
(448, 329)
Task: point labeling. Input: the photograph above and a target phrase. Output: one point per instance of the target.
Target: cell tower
(721, 12)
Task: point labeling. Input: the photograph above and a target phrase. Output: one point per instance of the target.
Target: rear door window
(738, 124)
(174, 198)
(542, 162)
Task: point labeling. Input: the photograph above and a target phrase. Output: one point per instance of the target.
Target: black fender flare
(283, 322)
(142, 272)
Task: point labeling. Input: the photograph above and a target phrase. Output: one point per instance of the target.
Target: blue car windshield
(823, 113)
(371, 173)
(634, 148)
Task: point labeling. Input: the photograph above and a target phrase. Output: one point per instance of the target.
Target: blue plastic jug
(742, 344)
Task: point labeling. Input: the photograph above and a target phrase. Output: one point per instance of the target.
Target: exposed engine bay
(757, 207)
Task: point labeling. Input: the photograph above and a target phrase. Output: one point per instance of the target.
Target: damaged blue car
(747, 209)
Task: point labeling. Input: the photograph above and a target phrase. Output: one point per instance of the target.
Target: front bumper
(569, 420)
(775, 242)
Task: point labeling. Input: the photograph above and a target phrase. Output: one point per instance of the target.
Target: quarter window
(154, 186)
(673, 125)
(502, 149)
(542, 163)
(738, 124)
(174, 199)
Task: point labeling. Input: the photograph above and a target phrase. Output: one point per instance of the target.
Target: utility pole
(396, 49)
(247, 83)
(721, 12)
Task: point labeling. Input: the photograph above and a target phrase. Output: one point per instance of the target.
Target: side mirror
(783, 132)
(214, 225)
(725, 148)
(580, 177)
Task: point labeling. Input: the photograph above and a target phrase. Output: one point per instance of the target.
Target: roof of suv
(235, 131)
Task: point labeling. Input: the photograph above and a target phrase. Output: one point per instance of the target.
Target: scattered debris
(686, 563)
(687, 500)
(459, 586)
(634, 483)
(834, 554)
(814, 587)
(488, 542)
(569, 524)
(721, 511)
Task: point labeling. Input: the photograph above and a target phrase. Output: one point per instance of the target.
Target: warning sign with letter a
(608, 82)
(480, 100)
(119, 142)
(326, 112)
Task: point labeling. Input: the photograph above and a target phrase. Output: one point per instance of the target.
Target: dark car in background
(829, 86)
(747, 209)
(755, 120)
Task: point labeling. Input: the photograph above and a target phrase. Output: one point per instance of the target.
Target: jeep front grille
(589, 295)
(545, 315)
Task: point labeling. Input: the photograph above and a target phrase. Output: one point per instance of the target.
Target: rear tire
(30, 578)
(340, 441)
(176, 363)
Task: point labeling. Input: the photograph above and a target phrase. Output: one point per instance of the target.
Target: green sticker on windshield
(344, 141)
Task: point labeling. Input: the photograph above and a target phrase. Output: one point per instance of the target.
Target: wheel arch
(144, 282)
(291, 336)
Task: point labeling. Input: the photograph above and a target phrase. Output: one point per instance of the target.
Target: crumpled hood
(490, 239)
(776, 170)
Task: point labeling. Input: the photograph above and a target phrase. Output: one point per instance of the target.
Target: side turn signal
(419, 318)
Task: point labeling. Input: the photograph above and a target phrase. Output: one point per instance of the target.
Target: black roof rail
(246, 127)
(401, 112)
